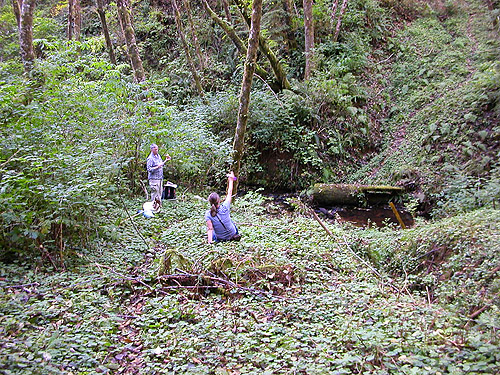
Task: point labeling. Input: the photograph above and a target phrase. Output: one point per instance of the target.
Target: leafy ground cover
(287, 298)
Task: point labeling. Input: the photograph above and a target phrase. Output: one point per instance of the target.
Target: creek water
(363, 217)
(380, 216)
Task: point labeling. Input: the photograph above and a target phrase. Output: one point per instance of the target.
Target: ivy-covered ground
(287, 299)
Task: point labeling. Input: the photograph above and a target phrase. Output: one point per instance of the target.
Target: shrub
(75, 139)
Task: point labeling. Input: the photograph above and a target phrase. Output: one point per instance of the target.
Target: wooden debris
(345, 194)
(396, 213)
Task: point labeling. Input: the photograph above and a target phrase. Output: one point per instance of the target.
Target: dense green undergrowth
(285, 299)
(75, 139)
(413, 104)
(409, 94)
(442, 127)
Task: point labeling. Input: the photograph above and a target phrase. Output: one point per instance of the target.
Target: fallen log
(352, 194)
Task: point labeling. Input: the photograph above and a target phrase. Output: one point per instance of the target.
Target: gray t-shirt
(153, 161)
(222, 219)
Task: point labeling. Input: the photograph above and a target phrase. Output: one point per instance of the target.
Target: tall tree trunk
(240, 45)
(105, 31)
(77, 26)
(225, 4)
(334, 11)
(290, 26)
(26, 34)
(71, 19)
(196, 44)
(121, 34)
(278, 70)
(74, 19)
(309, 38)
(186, 49)
(128, 30)
(16, 5)
(246, 85)
(339, 20)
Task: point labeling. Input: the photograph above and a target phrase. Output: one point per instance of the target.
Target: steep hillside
(441, 100)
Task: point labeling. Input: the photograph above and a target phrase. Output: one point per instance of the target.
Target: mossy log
(352, 195)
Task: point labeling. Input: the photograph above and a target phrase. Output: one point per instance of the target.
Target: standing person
(220, 227)
(155, 173)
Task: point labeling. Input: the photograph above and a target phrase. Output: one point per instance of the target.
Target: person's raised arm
(230, 181)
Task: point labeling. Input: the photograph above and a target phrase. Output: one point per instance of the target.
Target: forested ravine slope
(402, 92)
(443, 123)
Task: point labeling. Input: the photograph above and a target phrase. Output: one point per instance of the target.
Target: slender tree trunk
(77, 26)
(26, 34)
(16, 6)
(71, 19)
(74, 19)
(339, 20)
(186, 49)
(121, 34)
(105, 31)
(128, 30)
(309, 38)
(225, 4)
(240, 45)
(334, 11)
(278, 70)
(246, 85)
(196, 44)
(290, 26)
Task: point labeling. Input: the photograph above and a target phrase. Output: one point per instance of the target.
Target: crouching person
(220, 227)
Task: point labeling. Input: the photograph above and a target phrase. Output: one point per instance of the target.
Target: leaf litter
(285, 299)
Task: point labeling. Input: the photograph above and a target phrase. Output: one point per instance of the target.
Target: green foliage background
(408, 95)
(75, 135)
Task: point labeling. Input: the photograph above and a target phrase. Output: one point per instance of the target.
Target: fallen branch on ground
(189, 277)
(124, 276)
(20, 285)
(475, 314)
(371, 268)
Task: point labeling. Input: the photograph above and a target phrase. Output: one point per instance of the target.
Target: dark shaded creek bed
(379, 216)
(359, 216)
